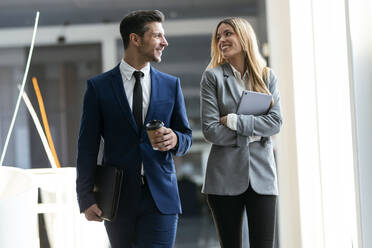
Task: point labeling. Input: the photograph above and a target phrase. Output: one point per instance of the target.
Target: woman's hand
(223, 120)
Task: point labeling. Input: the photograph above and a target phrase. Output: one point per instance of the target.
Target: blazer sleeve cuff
(86, 202)
(241, 141)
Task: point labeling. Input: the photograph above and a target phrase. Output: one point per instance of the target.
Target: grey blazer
(233, 161)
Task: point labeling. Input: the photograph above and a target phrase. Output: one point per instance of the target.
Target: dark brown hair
(136, 21)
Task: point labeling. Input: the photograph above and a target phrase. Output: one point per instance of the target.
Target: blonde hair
(255, 63)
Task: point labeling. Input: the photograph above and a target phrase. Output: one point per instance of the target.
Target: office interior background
(321, 52)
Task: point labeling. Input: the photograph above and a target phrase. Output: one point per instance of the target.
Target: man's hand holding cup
(161, 137)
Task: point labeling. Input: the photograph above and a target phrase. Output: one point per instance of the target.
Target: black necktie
(137, 99)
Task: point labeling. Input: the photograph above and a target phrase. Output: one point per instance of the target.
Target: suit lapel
(121, 97)
(153, 95)
(231, 82)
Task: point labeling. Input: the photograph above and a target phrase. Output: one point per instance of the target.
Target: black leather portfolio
(107, 188)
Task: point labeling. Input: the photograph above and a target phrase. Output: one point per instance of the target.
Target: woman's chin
(225, 56)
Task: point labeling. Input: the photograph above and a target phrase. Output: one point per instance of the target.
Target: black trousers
(227, 212)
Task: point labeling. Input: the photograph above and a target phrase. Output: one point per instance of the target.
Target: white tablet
(254, 103)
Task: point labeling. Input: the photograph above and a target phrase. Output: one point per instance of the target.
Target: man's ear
(135, 39)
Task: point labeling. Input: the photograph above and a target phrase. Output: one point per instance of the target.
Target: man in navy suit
(117, 104)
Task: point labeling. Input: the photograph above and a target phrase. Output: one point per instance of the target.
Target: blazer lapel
(231, 83)
(121, 97)
(153, 95)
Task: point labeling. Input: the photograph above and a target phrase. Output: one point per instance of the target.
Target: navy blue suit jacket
(106, 113)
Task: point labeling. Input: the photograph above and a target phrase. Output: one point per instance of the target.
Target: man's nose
(164, 42)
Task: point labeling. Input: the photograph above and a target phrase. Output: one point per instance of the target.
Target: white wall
(310, 54)
(361, 52)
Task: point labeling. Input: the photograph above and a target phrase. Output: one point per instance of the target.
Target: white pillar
(109, 53)
(278, 22)
(309, 52)
(361, 52)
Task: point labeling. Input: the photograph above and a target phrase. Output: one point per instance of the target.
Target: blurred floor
(194, 232)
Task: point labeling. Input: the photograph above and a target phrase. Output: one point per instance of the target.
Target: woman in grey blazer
(241, 171)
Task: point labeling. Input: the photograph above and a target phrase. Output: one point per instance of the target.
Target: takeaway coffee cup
(151, 127)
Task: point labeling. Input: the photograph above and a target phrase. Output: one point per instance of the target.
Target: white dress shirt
(232, 118)
(129, 80)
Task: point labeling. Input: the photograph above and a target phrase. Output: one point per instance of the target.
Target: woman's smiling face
(228, 42)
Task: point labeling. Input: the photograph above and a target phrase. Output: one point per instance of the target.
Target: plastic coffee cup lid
(154, 124)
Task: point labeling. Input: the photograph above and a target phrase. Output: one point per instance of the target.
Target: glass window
(187, 57)
(61, 72)
(12, 66)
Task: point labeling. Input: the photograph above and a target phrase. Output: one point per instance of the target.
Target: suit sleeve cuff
(85, 203)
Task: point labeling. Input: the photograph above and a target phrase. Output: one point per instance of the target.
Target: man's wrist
(175, 148)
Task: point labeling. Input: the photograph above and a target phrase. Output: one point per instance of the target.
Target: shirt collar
(127, 70)
(237, 73)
